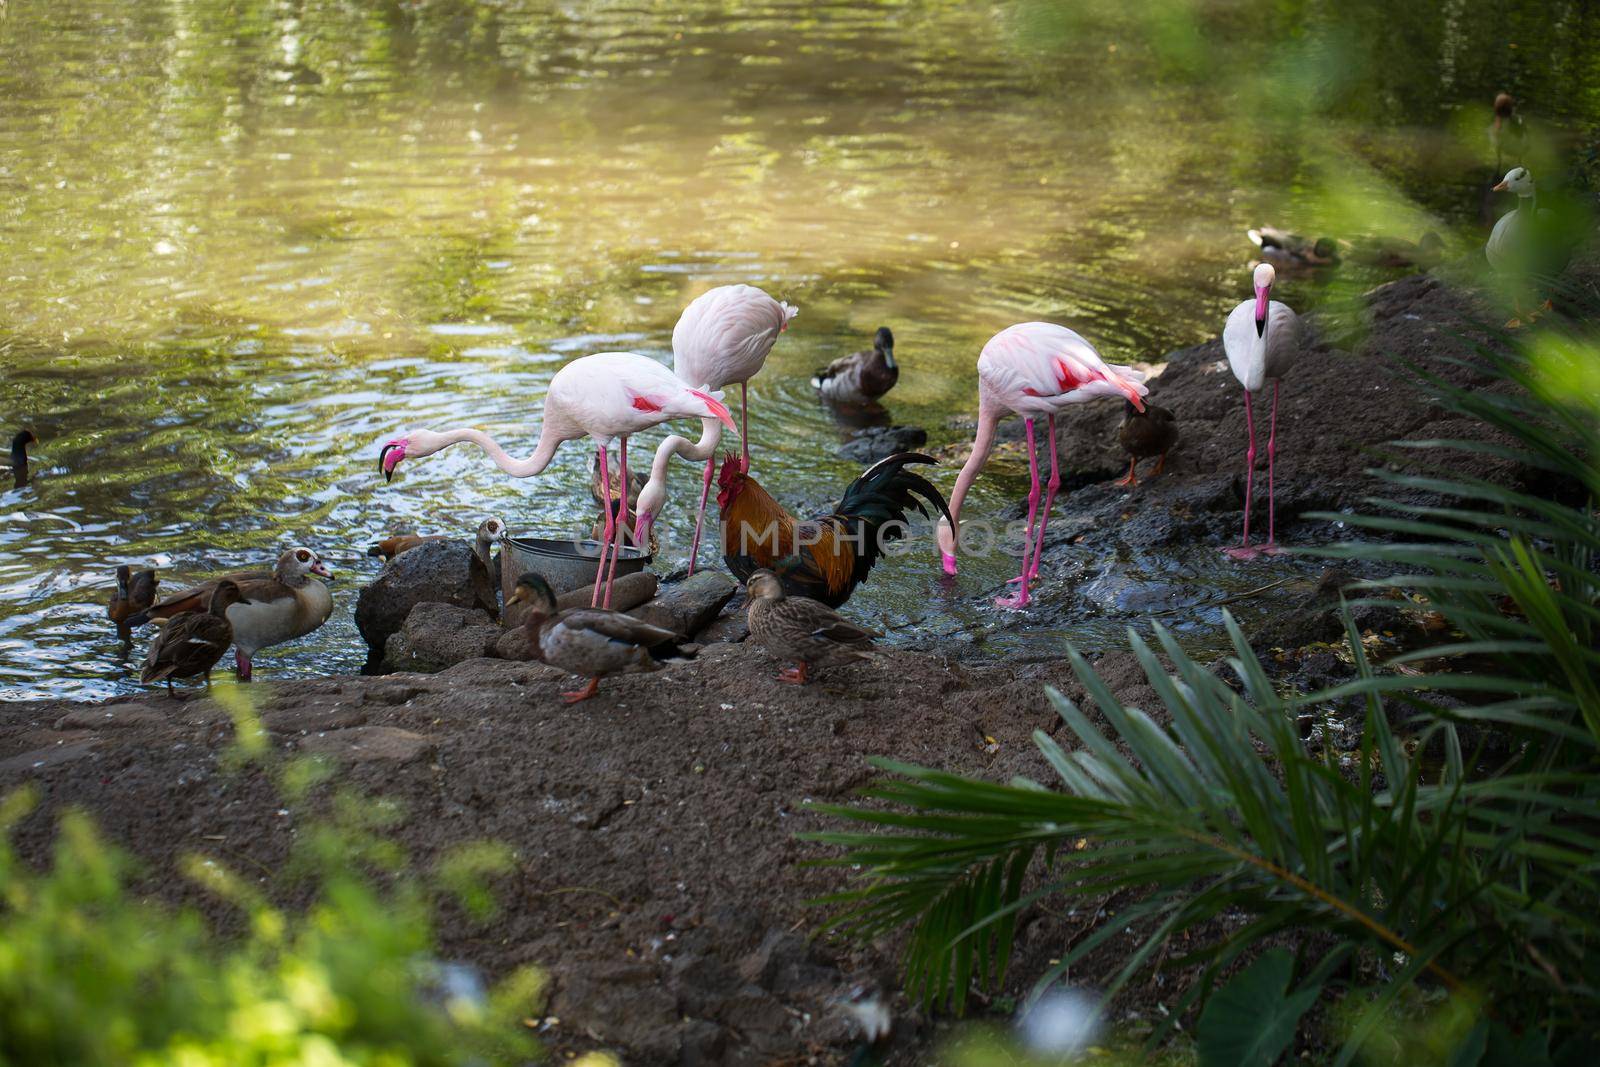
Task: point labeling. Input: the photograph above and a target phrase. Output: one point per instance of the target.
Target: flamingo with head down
(604, 397)
(723, 337)
(1032, 369)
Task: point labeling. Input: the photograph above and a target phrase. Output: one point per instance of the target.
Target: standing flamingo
(722, 338)
(1262, 338)
(610, 395)
(1032, 369)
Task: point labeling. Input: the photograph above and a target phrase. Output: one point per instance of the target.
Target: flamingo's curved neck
(517, 468)
(982, 446)
(703, 449)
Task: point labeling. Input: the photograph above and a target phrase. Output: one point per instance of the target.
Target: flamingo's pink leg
(1021, 597)
(1049, 498)
(616, 549)
(1244, 551)
(605, 537)
(1271, 546)
(744, 422)
(700, 516)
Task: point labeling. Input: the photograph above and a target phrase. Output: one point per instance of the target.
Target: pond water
(245, 242)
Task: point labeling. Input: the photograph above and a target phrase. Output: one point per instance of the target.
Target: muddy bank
(658, 875)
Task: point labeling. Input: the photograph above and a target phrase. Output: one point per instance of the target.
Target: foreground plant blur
(91, 973)
(1440, 886)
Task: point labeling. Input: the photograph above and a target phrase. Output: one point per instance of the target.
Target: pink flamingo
(610, 395)
(722, 338)
(1032, 369)
(1262, 338)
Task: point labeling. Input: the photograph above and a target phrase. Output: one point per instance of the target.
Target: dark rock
(436, 636)
(514, 644)
(880, 442)
(439, 572)
(369, 744)
(730, 627)
(685, 608)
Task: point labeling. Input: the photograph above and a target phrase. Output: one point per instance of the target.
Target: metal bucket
(564, 562)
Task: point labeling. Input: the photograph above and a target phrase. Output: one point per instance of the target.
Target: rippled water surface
(245, 242)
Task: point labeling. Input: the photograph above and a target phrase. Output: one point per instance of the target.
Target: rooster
(825, 557)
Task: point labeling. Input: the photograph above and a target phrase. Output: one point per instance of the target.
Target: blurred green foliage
(91, 973)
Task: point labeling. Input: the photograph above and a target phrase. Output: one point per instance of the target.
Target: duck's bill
(1500, 188)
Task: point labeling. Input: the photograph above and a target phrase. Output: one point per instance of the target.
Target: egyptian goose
(801, 629)
(490, 531)
(272, 608)
(1151, 432)
(192, 642)
(861, 377)
(136, 591)
(593, 642)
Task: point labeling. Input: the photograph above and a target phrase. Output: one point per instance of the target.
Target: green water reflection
(244, 241)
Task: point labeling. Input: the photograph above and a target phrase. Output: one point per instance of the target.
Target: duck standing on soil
(19, 456)
(609, 396)
(1292, 250)
(192, 642)
(272, 608)
(1151, 432)
(1529, 245)
(592, 642)
(801, 629)
(1032, 369)
(136, 591)
(1262, 339)
(722, 338)
(861, 377)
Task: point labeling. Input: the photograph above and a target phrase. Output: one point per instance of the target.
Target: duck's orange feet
(1131, 479)
(582, 694)
(1161, 465)
(795, 675)
(1242, 553)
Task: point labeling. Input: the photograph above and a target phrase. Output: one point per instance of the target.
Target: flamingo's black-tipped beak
(384, 468)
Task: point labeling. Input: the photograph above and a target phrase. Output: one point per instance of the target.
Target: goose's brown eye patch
(303, 556)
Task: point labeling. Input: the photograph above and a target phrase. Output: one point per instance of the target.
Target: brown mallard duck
(272, 608)
(861, 377)
(192, 642)
(135, 592)
(1151, 432)
(801, 629)
(1290, 250)
(593, 642)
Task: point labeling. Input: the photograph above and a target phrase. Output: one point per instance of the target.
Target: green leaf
(1251, 1021)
